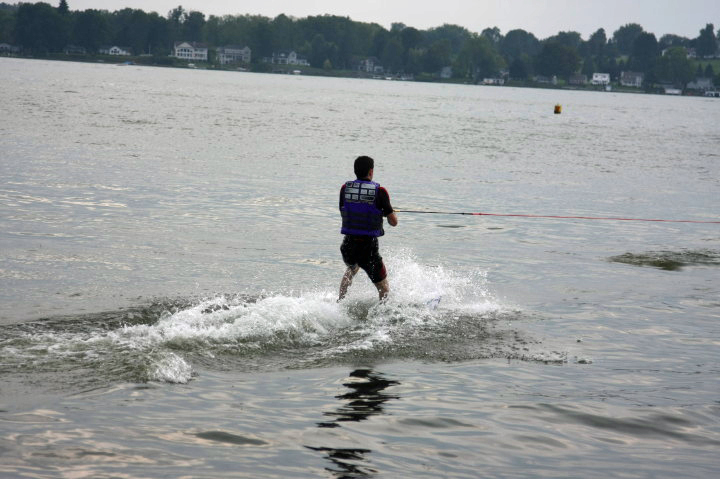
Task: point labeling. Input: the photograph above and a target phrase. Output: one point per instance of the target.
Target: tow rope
(558, 217)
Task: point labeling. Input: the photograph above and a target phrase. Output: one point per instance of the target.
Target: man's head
(363, 166)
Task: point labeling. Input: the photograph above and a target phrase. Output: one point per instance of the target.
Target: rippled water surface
(169, 266)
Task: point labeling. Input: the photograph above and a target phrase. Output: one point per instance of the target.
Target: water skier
(363, 204)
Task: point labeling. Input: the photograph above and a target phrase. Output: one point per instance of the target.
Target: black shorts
(363, 251)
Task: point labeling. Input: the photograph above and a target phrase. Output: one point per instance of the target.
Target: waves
(432, 314)
(669, 260)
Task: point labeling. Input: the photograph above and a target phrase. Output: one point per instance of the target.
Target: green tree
(645, 52)
(437, 56)
(674, 67)
(706, 43)
(134, 28)
(521, 67)
(557, 59)
(569, 39)
(596, 44)
(493, 34)
(7, 26)
(91, 30)
(340, 33)
(159, 39)
(40, 28)
(212, 31)
(410, 38)
(392, 55)
(320, 51)
(192, 28)
(63, 8)
(456, 35)
(478, 59)
(589, 67)
(380, 39)
(624, 37)
(285, 32)
(397, 27)
(261, 36)
(415, 61)
(518, 43)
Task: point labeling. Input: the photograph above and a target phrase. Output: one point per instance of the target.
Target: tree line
(335, 42)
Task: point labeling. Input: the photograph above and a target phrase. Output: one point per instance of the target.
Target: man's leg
(347, 280)
(383, 288)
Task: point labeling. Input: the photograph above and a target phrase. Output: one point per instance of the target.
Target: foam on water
(431, 313)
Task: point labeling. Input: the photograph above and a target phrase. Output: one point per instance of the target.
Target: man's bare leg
(347, 280)
(383, 288)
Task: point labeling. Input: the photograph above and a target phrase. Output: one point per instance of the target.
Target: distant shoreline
(169, 62)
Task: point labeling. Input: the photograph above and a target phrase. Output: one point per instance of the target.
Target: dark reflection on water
(669, 260)
(365, 399)
(340, 459)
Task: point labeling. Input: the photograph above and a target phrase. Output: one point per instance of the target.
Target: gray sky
(541, 17)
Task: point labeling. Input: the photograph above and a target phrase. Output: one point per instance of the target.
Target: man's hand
(392, 219)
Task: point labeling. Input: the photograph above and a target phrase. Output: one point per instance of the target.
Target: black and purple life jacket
(360, 212)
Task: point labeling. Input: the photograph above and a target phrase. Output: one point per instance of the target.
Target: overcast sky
(540, 17)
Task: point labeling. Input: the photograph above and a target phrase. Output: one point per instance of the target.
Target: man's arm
(387, 208)
(392, 219)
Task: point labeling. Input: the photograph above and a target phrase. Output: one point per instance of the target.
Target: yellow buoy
(558, 109)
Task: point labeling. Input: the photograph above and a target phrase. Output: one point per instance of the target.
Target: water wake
(432, 314)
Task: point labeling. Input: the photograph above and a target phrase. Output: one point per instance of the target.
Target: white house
(633, 79)
(190, 51)
(600, 79)
(115, 50)
(233, 54)
(370, 65)
(285, 57)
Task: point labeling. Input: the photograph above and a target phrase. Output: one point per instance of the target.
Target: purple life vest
(360, 213)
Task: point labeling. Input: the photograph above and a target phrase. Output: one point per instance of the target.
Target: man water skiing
(363, 204)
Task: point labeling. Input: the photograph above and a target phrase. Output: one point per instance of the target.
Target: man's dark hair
(363, 165)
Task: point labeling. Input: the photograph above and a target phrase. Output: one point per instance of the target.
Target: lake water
(170, 260)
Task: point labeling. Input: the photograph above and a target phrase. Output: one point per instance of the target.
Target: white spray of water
(421, 297)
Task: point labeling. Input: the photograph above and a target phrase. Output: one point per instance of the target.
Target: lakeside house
(578, 79)
(633, 79)
(701, 84)
(286, 57)
(233, 54)
(6, 48)
(545, 80)
(115, 50)
(74, 50)
(600, 79)
(446, 72)
(670, 89)
(190, 51)
(370, 65)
